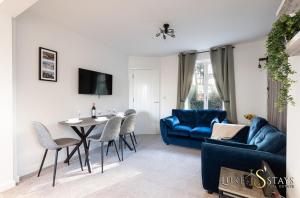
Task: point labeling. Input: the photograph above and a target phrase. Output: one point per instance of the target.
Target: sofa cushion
(186, 117)
(225, 121)
(180, 130)
(256, 125)
(200, 132)
(214, 121)
(172, 121)
(269, 139)
(205, 117)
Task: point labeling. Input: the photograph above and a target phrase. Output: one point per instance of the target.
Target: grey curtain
(275, 117)
(186, 69)
(223, 70)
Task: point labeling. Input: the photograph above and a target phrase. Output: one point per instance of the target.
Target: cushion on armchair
(172, 121)
(214, 121)
(225, 121)
(205, 117)
(256, 125)
(226, 131)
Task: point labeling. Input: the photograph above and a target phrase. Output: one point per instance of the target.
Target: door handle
(156, 101)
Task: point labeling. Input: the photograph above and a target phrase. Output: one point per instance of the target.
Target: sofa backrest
(186, 117)
(194, 118)
(269, 139)
(204, 117)
(256, 124)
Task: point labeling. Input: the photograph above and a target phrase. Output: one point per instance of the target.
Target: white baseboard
(7, 185)
(146, 133)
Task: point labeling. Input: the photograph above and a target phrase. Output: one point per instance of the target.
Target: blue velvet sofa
(190, 127)
(261, 141)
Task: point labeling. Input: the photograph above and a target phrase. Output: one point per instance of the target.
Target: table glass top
(84, 122)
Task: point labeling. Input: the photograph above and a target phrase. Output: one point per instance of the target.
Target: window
(203, 93)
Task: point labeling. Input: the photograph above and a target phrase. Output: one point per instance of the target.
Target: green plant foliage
(277, 65)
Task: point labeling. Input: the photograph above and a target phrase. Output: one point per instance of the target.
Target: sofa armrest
(231, 143)
(215, 156)
(171, 121)
(164, 130)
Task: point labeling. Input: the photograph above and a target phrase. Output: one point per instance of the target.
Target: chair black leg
(114, 142)
(124, 136)
(132, 142)
(125, 142)
(134, 137)
(89, 143)
(121, 144)
(79, 156)
(108, 145)
(102, 157)
(55, 167)
(42, 164)
(68, 156)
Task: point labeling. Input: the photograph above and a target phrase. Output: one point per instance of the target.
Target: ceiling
(130, 25)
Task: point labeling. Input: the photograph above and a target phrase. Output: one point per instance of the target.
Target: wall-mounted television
(92, 82)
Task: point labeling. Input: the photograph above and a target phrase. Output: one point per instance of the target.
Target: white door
(144, 97)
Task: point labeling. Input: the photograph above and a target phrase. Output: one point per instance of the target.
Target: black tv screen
(91, 82)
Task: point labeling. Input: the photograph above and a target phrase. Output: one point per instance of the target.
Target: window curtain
(186, 69)
(223, 69)
(275, 117)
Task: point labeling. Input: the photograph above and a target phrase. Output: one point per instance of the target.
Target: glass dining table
(83, 130)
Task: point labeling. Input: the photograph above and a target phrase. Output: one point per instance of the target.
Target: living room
(197, 64)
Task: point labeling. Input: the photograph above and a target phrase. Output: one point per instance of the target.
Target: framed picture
(48, 65)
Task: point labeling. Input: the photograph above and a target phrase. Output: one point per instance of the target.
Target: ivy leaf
(278, 65)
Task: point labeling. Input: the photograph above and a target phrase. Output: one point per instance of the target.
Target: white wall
(135, 62)
(293, 136)
(250, 82)
(51, 102)
(8, 10)
(6, 104)
(168, 85)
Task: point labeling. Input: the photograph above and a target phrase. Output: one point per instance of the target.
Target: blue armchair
(190, 128)
(245, 151)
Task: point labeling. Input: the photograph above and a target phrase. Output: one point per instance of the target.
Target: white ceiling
(130, 25)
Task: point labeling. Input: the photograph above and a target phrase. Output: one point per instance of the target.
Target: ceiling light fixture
(166, 31)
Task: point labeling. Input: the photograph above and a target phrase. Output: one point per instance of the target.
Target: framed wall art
(47, 65)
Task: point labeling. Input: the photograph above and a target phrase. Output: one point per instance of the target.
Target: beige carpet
(156, 170)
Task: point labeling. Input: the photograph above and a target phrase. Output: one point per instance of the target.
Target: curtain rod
(200, 52)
